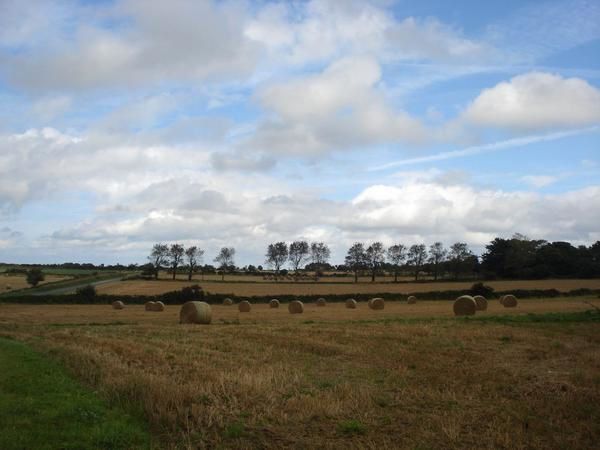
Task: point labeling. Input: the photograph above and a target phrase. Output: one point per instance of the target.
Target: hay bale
(509, 301)
(195, 312)
(376, 303)
(149, 306)
(351, 303)
(296, 307)
(274, 303)
(481, 302)
(321, 302)
(159, 306)
(118, 304)
(465, 305)
(228, 302)
(412, 300)
(244, 306)
(501, 299)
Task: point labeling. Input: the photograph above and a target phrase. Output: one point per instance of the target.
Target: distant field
(410, 376)
(20, 282)
(142, 287)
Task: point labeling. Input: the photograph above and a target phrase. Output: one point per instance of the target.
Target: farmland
(247, 286)
(410, 376)
(17, 281)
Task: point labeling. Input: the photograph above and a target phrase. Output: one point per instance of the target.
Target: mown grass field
(10, 282)
(249, 288)
(410, 376)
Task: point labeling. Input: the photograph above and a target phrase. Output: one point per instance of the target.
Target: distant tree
(375, 257)
(158, 257)
(460, 258)
(320, 254)
(437, 255)
(356, 259)
(417, 255)
(225, 260)
(396, 255)
(88, 291)
(193, 256)
(277, 255)
(34, 276)
(176, 254)
(299, 253)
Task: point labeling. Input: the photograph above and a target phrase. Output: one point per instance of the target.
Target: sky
(124, 123)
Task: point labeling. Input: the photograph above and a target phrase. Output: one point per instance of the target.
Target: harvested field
(337, 378)
(20, 281)
(142, 287)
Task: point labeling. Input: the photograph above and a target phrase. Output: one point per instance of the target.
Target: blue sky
(128, 122)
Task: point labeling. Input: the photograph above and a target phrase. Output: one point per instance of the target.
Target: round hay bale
(481, 302)
(412, 300)
(228, 302)
(509, 301)
(244, 306)
(501, 299)
(321, 302)
(195, 312)
(351, 303)
(274, 303)
(159, 306)
(118, 304)
(376, 303)
(465, 305)
(296, 307)
(149, 306)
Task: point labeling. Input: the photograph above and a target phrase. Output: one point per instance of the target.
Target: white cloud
(339, 108)
(154, 42)
(540, 181)
(536, 101)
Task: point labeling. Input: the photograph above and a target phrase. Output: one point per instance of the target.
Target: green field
(41, 407)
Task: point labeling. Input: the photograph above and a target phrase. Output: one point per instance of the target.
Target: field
(241, 286)
(410, 376)
(10, 282)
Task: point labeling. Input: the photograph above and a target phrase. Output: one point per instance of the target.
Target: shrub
(88, 291)
(482, 289)
(34, 276)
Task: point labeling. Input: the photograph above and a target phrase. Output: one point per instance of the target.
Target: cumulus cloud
(153, 42)
(316, 114)
(536, 101)
(410, 212)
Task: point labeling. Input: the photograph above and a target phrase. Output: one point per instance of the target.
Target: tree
(319, 253)
(460, 257)
(396, 255)
(277, 255)
(437, 255)
(34, 276)
(176, 253)
(299, 253)
(158, 257)
(375, 256)
(417, 255)
(194, 257)
(356, 258)
(225, 259)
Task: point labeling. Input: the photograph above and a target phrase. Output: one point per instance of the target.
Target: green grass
(41, 407)
(352, 427)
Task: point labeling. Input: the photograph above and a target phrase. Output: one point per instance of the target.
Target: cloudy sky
(128, 122)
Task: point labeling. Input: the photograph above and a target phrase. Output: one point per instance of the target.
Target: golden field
(410, 376)
(10, 282)
(243, 287)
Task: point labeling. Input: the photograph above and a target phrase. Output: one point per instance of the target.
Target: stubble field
(247, 286)
(410, 376)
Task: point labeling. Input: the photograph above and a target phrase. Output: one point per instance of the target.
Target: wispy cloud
(486, 148)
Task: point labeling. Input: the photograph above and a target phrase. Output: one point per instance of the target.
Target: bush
(88, 291)
(34, 276)
(482, 289)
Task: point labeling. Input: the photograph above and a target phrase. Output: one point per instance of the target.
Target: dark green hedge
(196, 293)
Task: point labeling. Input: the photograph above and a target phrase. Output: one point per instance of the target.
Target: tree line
(517, 257)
